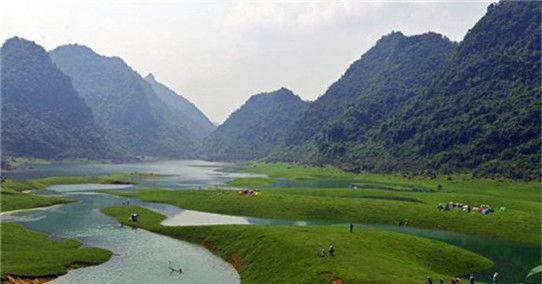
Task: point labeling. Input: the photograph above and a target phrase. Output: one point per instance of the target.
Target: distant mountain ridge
(42, 115)
(136, 120)
(256, 128)
(198, 125)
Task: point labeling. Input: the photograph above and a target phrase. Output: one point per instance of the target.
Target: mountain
(42, 115)
(384, 77)
(135, 120)
(422, 103)
(482, 112)
(397, 68)
(197, 124)
(255, 129)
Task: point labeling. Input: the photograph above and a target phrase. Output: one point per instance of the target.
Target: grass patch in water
(519, 223)
(12, 196)
(18, 201)
(289, 254)
(31, 254)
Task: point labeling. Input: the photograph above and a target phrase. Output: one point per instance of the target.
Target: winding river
(142, 257)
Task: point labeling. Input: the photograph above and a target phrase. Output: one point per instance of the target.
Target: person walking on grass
(429, 280)
(331, 249)
(496, 278)
(351, 228)
(323, 253)
(471, 279)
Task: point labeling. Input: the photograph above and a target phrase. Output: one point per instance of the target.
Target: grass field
(381, 200)
(30, 254)
(13, 194)
(289, 254)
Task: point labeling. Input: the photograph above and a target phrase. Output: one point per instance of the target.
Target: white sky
(218, 54)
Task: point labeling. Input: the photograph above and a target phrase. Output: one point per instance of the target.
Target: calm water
(141, 256)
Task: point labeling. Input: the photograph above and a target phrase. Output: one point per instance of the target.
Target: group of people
(331, 250)
(246, 191)
(483, 209)
(472, 280)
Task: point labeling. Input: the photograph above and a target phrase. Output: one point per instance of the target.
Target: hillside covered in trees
(192, 119)
(422, 103)
(135, 120)
(256, 128)
(42, 115)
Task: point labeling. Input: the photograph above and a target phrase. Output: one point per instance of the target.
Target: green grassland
(379, 199)
(14, 196)
(30, 254)
(289, 254)
(252, 182)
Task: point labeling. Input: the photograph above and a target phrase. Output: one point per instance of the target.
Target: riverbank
(31, 255)
(388, 199)
(21, 247)
(290, 254)
(368, 206)
(17, 194)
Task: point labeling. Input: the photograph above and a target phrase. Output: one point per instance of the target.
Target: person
(331, 249)
(323, 253)
(351, 228)
(471, 278)
(429, 280)
(496, 278)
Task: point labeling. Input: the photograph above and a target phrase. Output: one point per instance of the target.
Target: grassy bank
(377, 199)
(289, 254)
(13, 194)
(374, 207)
(30, 254)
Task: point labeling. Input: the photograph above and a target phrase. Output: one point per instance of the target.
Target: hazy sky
(217, 54)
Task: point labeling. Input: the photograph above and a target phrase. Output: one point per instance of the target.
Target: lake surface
(141, 256)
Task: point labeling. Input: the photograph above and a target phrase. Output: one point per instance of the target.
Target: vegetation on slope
(255, 129)
(422, 103)
(42, 115)
(192, 119)
(134, 119)
(289, 254)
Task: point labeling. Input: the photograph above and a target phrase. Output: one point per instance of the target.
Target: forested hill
(482, 113)
(135, 120)
(197, 124)
(424, 104)
(382, 79)
(255, 129)
(42, 116)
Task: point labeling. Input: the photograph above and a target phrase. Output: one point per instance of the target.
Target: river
(142, 257)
